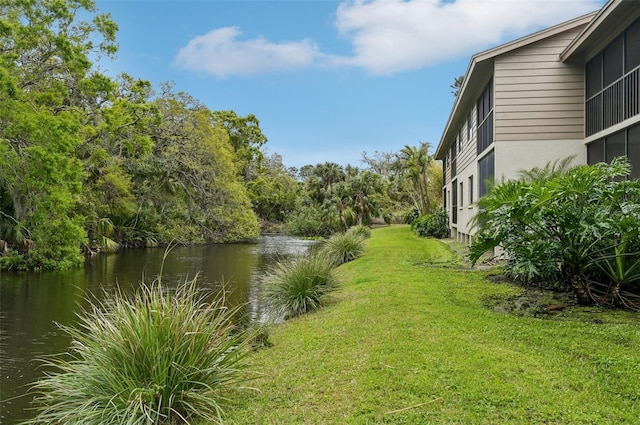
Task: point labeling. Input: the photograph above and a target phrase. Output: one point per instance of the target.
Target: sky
(328, 80)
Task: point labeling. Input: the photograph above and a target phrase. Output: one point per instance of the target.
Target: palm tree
(414, 163)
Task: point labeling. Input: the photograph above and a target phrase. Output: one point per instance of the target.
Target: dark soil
(531, 302)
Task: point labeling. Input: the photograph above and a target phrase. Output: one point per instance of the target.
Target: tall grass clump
(342, 248)
(360, 230)
(153, 358)
(296, 286)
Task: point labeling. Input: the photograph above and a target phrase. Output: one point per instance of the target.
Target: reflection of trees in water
(32, 303)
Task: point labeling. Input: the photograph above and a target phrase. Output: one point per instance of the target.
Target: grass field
(408, 339)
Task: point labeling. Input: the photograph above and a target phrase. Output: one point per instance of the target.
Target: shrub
(297, 286)
(154, 358)
(342, 248)
(569, 227)
(412, 215)
(311, 221)
(434, 225)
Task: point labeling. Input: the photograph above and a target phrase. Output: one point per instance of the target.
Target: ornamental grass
(363, 231)
(342, 248)
(296, 286)
(153, 358)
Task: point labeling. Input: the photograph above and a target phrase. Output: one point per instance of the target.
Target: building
(572, 89)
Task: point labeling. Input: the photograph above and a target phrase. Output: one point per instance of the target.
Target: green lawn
(408, 340)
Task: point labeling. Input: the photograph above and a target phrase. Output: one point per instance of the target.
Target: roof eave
(490, 54)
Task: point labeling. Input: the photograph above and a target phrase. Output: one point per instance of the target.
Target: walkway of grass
(407, 340)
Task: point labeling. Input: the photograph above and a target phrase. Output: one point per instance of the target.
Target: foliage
(457, 85)
(79, 150)
(175, 356)
(297, 286)
(559, 226)
(412, 215)
(342, 248)
(340, 197)
(403, 342)
(434, 225)
(311, 221)
(423, 174)
(246, 139)
(274, 192)
(46, 73)
(363, 231)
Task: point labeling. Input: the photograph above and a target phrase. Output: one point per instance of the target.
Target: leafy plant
(155, 358)
(557, 226)
(432, 225)
(297, 286)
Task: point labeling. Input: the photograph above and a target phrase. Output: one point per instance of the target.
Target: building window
(469, 128)
(624, 142)
(486, 173)
(444, 170)
(454, 154)
(595, 152)
(460, 140)
(470, 190)
(461, 195)
(613, 82)
(444, 198)
(454, 202)
(485, 118)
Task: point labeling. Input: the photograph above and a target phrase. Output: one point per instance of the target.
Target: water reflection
(32, 303)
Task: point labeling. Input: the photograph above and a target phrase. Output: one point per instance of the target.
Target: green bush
(412, 215)
(311, 221)
(571, 227)
(342, 248)
(297, 286)
(434, 225)
(155, 358)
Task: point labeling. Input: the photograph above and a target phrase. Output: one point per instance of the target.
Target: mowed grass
(408, 340)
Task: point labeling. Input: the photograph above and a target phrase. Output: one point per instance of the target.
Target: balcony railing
(614, 104)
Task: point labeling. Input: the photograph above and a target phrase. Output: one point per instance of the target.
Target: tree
(457, 85)
(423, 174)
(274, 192)
(245, 137)
(47, 80)
(193, 161)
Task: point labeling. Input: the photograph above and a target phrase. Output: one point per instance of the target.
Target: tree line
(91, 163)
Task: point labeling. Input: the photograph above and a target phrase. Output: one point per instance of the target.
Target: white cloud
(220, 53)
(389, 36)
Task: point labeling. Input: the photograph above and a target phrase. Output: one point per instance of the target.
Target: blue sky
(327, 79)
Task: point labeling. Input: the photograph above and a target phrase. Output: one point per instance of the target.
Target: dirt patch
(532, 302)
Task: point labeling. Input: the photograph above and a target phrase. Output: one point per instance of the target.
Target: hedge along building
(571, 89)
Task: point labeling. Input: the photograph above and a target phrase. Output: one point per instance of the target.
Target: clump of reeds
(298, 285)
(342, 248)
(154, 358)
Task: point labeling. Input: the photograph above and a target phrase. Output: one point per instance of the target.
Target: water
(31, 304)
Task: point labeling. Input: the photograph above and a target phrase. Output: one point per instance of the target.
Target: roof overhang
(480, 70)
(610, 21)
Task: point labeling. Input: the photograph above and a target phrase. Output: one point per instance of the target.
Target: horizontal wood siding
(468, 153)
(537, 97)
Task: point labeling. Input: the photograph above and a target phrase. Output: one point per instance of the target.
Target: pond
(32, 304)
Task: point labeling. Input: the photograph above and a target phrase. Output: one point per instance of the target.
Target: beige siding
(468, 154)
(537, 97)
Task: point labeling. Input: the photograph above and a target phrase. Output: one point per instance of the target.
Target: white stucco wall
(514, 156)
